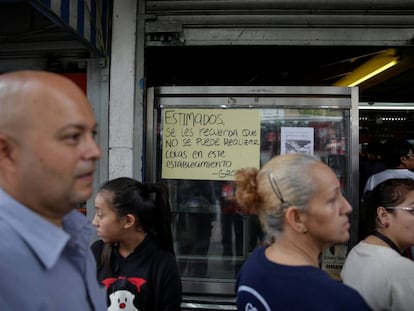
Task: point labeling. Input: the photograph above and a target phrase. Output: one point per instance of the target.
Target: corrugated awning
(54, 25)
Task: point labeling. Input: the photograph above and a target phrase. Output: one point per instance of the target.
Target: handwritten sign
(209, 144)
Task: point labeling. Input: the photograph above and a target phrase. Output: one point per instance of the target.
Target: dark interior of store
(282, 66)
(278, 65)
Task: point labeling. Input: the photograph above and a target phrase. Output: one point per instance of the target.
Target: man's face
(56, 151)
(408, 160)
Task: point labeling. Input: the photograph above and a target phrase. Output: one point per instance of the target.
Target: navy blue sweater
(265, 285)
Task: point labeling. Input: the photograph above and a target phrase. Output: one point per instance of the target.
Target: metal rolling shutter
(279, 22)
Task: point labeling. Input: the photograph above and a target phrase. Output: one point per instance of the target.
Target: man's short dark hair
(394, 150)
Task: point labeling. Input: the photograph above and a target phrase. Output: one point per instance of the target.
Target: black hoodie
(146, 280)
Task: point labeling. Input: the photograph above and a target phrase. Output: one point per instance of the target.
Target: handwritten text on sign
(209, 143)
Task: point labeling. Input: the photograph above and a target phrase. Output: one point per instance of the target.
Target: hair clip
(275, 188)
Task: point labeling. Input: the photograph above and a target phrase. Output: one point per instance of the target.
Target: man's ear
(7, 149)
(294, 217)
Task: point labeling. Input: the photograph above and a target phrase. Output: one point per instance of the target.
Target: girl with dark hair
(375, 266)
(135, 255)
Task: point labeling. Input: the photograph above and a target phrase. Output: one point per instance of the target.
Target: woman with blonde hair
(302, 210)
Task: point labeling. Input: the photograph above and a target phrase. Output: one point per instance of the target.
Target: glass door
(212, 235)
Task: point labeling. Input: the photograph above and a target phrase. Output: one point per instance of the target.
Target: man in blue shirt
(47, 161)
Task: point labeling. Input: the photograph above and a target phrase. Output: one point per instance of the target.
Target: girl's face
(401, 228)
(327, 218)
(109, 226)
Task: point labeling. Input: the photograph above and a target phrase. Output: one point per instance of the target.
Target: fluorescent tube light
(371, 68)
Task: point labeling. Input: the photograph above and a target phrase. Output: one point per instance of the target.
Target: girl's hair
(148, 202)
(283, 181)
(389, 193)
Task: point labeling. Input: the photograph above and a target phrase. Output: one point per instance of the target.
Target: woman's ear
(294, 217)
(383, 217)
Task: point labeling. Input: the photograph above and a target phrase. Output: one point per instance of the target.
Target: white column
(122, 89)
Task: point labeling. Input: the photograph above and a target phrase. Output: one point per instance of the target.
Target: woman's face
(109, 225)
(402, 223)
(327, 219)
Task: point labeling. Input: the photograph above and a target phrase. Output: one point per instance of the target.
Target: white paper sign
(297, 140)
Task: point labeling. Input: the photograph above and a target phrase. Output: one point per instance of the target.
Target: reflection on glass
(231, 225)
(212, 235)
(195, 218)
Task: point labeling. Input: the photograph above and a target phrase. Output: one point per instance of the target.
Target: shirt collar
(46, 240)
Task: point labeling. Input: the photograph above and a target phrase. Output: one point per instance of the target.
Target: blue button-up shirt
(43, 267)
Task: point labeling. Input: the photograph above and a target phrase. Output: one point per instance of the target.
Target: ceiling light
(371, 68)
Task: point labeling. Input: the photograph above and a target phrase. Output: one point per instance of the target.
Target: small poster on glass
(297, 140)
